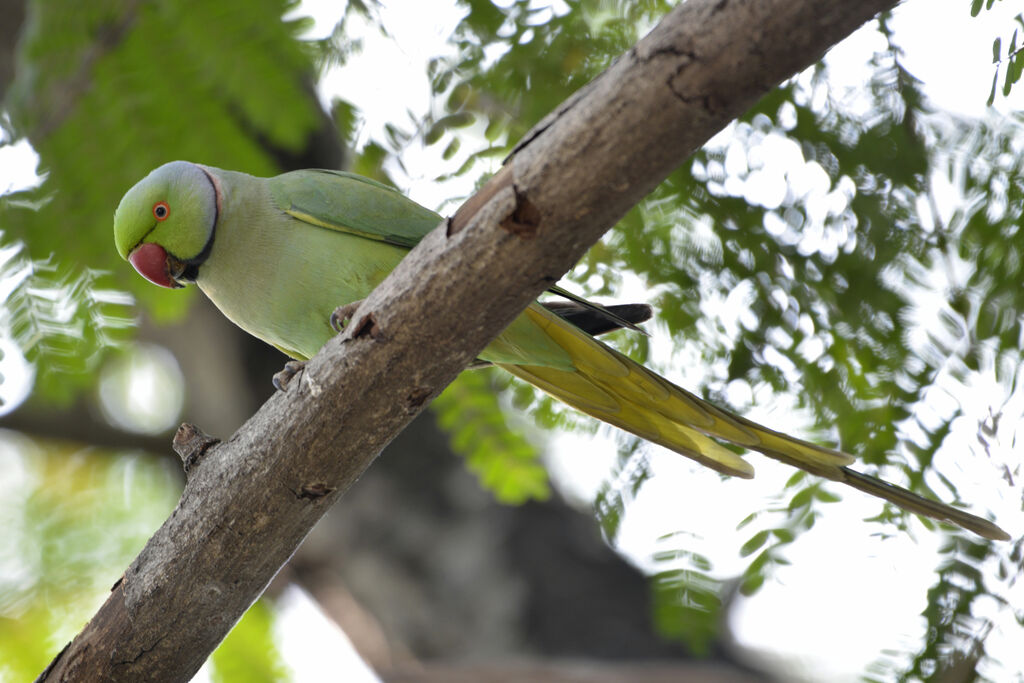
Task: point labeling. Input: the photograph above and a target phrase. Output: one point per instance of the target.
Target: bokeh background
(844, 262)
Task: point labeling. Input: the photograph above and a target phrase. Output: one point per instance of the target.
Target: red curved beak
(151, 262)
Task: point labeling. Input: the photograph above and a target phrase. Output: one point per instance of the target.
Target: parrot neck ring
(188, 270)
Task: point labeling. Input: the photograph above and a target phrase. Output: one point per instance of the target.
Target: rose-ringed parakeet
(278, 255)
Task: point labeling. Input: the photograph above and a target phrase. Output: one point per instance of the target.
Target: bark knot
(367, 325)
(191, 444)
(314, 491)
(524, 219)
(417, 397)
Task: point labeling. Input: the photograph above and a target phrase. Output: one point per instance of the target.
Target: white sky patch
(312, 644)
(17, 376)
(387, 79)
(944, 46)
(18, 163)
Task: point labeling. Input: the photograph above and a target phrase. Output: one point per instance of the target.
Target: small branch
(243, 512)
(80, 425)
(191, 444)
(561, 671)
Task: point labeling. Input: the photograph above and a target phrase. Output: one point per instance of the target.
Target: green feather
(350, 203)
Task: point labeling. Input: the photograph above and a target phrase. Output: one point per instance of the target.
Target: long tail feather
(607, 385)
(921, 505)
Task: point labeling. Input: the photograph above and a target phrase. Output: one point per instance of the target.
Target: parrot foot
(342, 314)
(287, 373)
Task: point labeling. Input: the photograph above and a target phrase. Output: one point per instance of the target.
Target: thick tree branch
(250, 501)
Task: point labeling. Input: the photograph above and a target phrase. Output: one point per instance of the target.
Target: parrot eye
(161, 211)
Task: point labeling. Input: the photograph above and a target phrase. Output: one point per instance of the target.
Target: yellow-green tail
(609, 386)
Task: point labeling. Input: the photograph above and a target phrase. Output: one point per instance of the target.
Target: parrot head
(164, 225)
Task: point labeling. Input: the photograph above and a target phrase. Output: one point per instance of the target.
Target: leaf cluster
(1012, 59)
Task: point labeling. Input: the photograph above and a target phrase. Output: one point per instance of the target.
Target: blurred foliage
(622, 486)
(502, 458)
(516, 61)
(72, 520)
(61, 317)
(1012, 61)
(955, 635)
(684, 600)
(826, 232)
(249, 652)
(790, 256)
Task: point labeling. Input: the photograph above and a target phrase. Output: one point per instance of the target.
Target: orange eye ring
(161, 211)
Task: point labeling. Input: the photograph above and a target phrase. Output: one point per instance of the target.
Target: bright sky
(848, 595)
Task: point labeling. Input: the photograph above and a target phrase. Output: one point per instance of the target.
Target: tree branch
(79, 424)
(560, 671)
(250, 500)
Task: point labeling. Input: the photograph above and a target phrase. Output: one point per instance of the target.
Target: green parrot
(278, 256)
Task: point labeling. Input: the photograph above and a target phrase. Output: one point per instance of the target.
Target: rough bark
(250, 500)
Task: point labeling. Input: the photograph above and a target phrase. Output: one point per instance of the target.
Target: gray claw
(287, 373)
(342, 314)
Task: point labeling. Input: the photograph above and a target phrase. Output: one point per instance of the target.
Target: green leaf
(751, 584)
(446, 123)
(503, 460)
(754, 543)
(250, 653)
(826, 496)
(687, 607)
(747, 520)
(451, 150)
(802, 498)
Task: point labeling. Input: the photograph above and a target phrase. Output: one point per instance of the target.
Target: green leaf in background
(506, 463)
(71, 519)
(250, 653)
(687, 607)
(1013, 60)
(61, 319)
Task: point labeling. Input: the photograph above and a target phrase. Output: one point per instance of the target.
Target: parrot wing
(351, 203)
